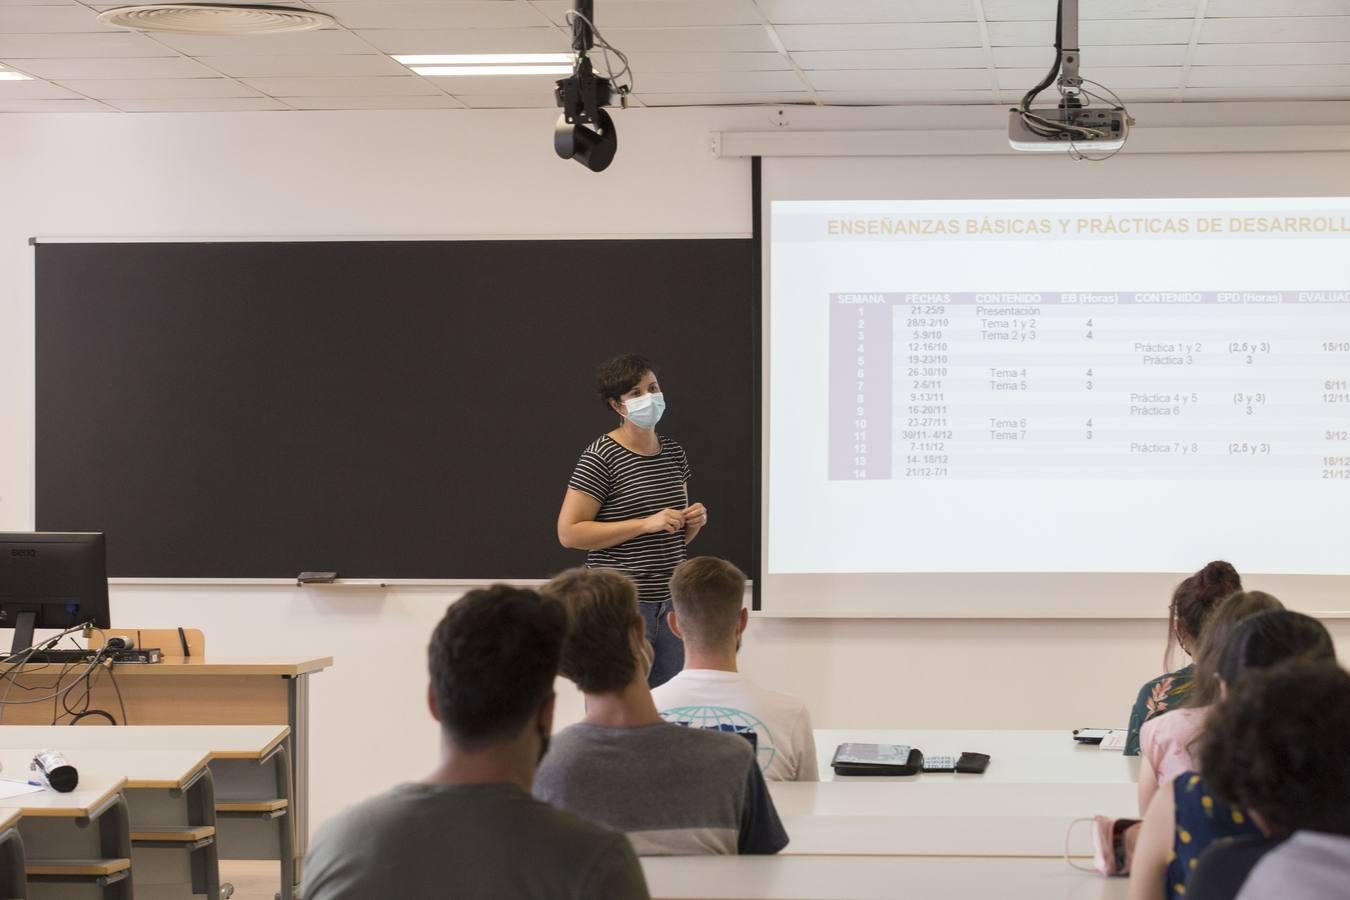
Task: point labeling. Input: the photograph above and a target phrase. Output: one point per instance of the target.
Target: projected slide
(1066, 386)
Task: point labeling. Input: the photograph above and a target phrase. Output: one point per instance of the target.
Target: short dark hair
(1228, 615)
(602, 611)
(616, 377)
(1196, 598)
(493, 659)
(1276, 746)
(708, 594)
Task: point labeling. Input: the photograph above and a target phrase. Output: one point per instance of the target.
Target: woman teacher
(627, 502)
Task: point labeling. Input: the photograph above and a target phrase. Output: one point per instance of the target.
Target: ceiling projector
(1067, 129)
(1075, 126)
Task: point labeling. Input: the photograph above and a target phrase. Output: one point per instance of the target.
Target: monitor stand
(24, 625)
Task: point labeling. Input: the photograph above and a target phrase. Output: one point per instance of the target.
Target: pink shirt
(1168, 742)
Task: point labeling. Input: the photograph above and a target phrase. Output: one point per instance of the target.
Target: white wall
(480, 173)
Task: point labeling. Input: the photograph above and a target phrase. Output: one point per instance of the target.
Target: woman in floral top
(1192, 602)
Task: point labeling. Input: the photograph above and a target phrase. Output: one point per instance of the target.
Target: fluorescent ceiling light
(7, 75)
(441, 71)
(472, 59)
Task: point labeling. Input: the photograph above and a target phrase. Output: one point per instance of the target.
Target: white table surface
(1037, 783)
(141, 768)
(221, 741)
(872, 878)
(1043, 757)
(93, 790)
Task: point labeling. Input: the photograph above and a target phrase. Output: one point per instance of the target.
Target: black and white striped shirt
(632, 486)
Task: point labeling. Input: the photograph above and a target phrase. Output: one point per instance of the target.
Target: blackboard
(382, 409)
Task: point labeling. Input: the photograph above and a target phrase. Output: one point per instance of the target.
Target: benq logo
(24, 552)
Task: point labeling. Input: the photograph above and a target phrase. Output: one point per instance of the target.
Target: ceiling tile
(756, 99)
(1123, 55)
(904, 98)
(1088, 10)
(480, 14)
(71, 46)
(1115, 79)
(1267, 93)
(198, 104)
(1223, 9)
(123, 67)
(51, 106)
(1269, 76)
(343, 87)
(901, 80)
(941, 58)
(34, 90)
(868, 12)
(529, 85)
(655, 61)
(503, 101)
(411, 101)
(720, 82)
(1271, 54)
(880, 37)
(328, 65)
(304, 42)
(495, 40)
(1275, 30)
(49, 20)
(1129, 95)
(1094, 34)
(156, 88)
(659, 14)
(693, 40)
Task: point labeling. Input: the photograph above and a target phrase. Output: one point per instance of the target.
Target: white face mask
(645, 411)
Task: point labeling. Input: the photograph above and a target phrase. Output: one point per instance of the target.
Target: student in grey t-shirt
(471, 828)
(674, 791)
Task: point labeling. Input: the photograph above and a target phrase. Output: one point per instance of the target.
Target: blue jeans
(666, 647)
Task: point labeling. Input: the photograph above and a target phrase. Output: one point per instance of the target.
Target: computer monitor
(52, 580)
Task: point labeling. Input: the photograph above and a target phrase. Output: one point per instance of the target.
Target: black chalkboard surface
(381, 409)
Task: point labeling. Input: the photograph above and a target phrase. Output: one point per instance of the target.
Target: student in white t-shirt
(709, 616)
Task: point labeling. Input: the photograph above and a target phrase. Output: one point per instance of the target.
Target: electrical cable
(1071, 98)
(605, 48)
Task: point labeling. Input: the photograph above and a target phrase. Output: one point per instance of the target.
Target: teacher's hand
(696, 516)
(667, 520)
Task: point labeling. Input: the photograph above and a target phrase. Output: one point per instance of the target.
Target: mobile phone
(1090, 735)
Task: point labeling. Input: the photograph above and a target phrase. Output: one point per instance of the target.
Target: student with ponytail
(1192, 602)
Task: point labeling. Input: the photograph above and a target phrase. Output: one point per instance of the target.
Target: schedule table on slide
(1075, 385)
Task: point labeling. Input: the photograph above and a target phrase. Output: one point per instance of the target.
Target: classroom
(413, 409)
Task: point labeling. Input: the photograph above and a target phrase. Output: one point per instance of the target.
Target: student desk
(1040, 757)
(201, 690)
(171, 811)
(247, 789)
(1037, 783)
(871, 878)
(74, 840)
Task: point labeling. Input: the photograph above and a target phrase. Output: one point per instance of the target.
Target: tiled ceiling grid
(684, 53)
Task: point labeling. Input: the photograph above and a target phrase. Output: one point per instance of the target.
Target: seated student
(674, 791)
(709, 616)
(1169, 743)
(1185, 820)
(1276, 748)
(1192, 602)
(464, 830)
